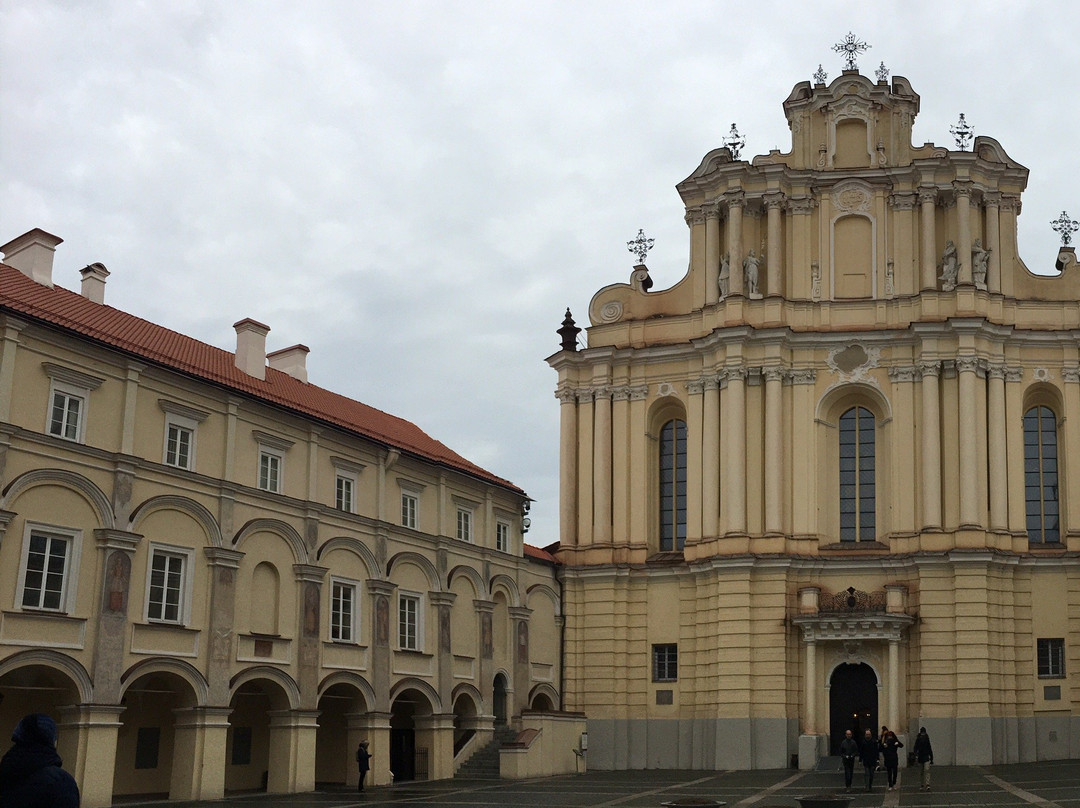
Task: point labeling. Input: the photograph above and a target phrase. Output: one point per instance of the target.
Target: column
(375, 729)
(199, 753)
(639, 466)
(774, 202)
(962, 188)
(485, 667)
(929, 372)
(1014, 449)
(1069, 497)
(1008, 210)
(443, 602)
(11, 329)
(87, 743)
(380, 594)
(309, 579)
(117, 551)
(620, 464)
(567, 466)
(694, 431)
(894, 682)
(996, 450)
(602, 465)
(223, 565)
(438, 728)
(992, 242)
(928, 252)
(967, 371)
(292, 750)
(811, 688)
(735, 201)
(734, 497)
(712, 253)
(710, 459)
(522, 668)
(774, 443)
(585, 467)
(903, 495)
(131, 394)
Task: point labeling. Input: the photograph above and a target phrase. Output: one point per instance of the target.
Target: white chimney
(291, 360)
(251, 347)
(93, 282)
(32, 254)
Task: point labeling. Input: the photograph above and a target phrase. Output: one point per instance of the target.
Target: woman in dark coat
(890, 746)
(363, 762)
(30, 773)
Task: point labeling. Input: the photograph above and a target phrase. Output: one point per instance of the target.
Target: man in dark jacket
(924, 753)
(363, 762)
(849, 750)
(869, 751)
(30, 773)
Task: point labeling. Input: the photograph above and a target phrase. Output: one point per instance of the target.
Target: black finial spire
(568, 333)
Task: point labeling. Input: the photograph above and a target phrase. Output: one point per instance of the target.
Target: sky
(418, 190)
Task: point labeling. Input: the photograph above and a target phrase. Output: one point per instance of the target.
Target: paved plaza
(1046, 784)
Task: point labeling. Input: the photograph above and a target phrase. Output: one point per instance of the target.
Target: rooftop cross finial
(882, 73)
(820, 76)
(850, 47)
(963, 132)
(1065, 227)
(734, 142)
(640, 246)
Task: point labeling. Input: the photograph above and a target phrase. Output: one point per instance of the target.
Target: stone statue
(725, 275)
(980, 258)
(750, 267)
(949, 267)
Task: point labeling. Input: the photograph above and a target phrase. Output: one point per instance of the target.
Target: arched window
(673, 485)
(1041, 475)
(857, 482)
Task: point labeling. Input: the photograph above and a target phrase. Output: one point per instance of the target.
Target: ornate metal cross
(820, 75)
(1066, 227)
(962, 132)
(734, 142)
(640, 246)
(882, 73)
(850, 47)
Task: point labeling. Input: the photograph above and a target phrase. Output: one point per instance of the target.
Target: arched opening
(409, 747)
(499, 700)
(853, 702)
(39, 689)
(464, 721)
(264, 599)
(542, 702)
(150, 759)
(339, 733)
(252, 745)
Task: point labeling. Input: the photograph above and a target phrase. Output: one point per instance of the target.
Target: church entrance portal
(853, 703)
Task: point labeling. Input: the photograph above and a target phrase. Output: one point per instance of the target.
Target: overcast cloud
(418, 190)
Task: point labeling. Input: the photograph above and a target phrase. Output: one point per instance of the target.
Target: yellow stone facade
(796, 485)
(211, 620)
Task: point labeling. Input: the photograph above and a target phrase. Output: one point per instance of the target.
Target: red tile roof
(153, 343)
(542, 555)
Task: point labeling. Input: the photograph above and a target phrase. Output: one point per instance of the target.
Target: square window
(167, 587)
(1051, 658)
(502, 537)
(344, 496)
(269, 471)
(46, 580)
(665, 662)
(409, 506)
(464, 524)
(343, 603)
(409, 624)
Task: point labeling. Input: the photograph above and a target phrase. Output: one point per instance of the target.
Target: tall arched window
(1041, 475)
(857, 482)
(673, 485)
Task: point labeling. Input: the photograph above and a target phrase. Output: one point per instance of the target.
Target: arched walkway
(254, 748)
(853, 702)
(410, 738)
(342, 708)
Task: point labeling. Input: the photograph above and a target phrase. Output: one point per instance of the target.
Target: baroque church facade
(830, 478)
(219, 577)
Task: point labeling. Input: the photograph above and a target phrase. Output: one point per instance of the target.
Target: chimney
(291, 360)
(32, 254)
(93, 282)
(251, 347)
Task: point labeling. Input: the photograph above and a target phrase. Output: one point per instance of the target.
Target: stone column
(87, 743)
(117, 551)
(375, 729)
(811, 688)
(439, 727)
(639, 466)
(931, 445)
(803, 453)
(1008, 210)
(199, 753)
(928, 251)
(620, 464)
(443, 602)
(223, 565)
(292, 749)
(309, 580)
(962, 189)
(774, 202)
(894, 682)
(999, 469)
(774, 449)
(485, 667)
(734, 482)
(710, 462)
(380, 594)
(567, 466)
(1014, 449)
(131, 395)
(11, 329)
(967, 371)
(712, 254)
(694, 430)
(1069, 498)
(585, 467)
(901, 514)
(992, 242)
(522, 668)
(602, 466)
(735, 201)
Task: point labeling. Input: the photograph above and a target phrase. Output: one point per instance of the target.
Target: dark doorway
(500, 700)
(853, 695)
(403, 738)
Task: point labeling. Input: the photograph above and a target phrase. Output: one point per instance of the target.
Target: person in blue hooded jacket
(30, 771)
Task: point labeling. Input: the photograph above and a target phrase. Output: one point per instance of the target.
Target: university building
(831, 478)
(217, 576)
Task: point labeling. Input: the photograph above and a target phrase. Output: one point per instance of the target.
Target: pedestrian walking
(869, 752)
(924, 754)
(849, 750)
(890, 751)
(363, 762)
(30, 771)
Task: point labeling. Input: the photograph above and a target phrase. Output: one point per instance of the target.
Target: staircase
(484, 763)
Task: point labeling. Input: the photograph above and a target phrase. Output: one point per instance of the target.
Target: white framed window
(270, 470)
(181, 426)
(410, 621)
(464, 524)
(345, 493)
(502, 537)
(344, 610)
(410, 505)
(1050, 656)
(48, 570)
(69, 395)
(168, 585)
